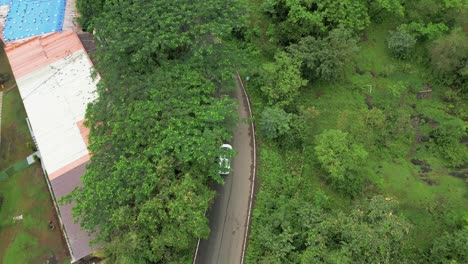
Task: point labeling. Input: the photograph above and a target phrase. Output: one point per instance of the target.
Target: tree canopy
(341, 158)
(156, 127)
(324, 58)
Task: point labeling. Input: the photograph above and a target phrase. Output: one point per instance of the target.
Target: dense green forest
(361, 109)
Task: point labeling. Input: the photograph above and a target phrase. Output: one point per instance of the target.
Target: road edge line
(252, 188)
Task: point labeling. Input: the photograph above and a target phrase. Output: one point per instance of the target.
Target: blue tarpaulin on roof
(28, 18)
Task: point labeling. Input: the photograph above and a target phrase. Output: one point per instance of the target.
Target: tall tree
(324, 58)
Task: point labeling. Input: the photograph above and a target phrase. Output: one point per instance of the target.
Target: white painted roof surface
(55, 98)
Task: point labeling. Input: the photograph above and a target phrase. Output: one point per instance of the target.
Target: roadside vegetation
(156, 129)
(361, 109)
(23, 190)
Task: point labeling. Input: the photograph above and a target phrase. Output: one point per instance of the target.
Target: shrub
(451, 248)
(401, 43)
(282, 80)
(449, 56)
(274, 122)
(325, 58)
(447, 142)
(342, 159)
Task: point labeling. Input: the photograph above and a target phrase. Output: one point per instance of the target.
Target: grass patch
(19, 251)
(24, 191)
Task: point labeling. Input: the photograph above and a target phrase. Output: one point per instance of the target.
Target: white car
(225, 159)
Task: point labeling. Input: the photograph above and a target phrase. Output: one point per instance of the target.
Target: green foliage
(401, 43)
(304, 233)
(428, 31)
(389, 123)
(293, 20)
(341, 158)
(274, 122)
(371, 128)
(448, 12)
(89, 10)
(390, 6)
(350, 14)
(371, 233)
(398, 88)
(450, 248)
(449, 57)
(324, 58)
(166, 30)
(174, 144)
(281, 80)
(447, 139)
(156, 127)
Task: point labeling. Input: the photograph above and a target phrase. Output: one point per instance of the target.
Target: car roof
(226, 146)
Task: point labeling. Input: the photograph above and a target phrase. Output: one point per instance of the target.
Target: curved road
(229, 215)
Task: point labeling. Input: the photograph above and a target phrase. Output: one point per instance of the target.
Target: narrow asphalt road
(229, 214)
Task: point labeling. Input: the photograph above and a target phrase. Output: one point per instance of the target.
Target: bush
(274, 122)
(342, 159)
(447, 142)
(282, 80)
(451, 248)
(325, 58)
(401, 43)
(449, 56)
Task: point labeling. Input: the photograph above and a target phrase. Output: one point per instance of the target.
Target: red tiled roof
(38, 52)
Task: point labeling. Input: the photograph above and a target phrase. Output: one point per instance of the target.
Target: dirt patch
(430, 181)
(424, 139)
(427, 86)
(10, 88)
(426, 93)
(369, 102)
(374, 75)
(364, 37)
(358, 70)
(318, 94)
(462, 167)
(416, 124)
(424, 166)
(459, 174)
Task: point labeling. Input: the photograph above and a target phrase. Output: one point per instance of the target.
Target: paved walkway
(230, 214)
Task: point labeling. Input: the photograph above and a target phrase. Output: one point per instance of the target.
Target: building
(53, 75)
